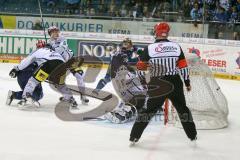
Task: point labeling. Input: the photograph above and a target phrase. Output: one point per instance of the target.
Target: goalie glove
(141, 65)
(13, 73)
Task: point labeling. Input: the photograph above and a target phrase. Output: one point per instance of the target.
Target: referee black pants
(170, 87)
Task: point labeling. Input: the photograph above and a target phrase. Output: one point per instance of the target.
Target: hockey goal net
(206, 101)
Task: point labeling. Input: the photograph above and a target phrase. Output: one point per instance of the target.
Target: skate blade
(132, 144)
(8, 101)
(84, 103)
(22, 105)
(34, 103)
(193, 144)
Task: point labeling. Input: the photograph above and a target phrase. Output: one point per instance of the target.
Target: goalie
(128, 83)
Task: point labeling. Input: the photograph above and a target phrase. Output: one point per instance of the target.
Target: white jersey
(39, 56)
(128, 84)
(60, 45)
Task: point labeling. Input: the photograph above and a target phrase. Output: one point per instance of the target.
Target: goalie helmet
(161, 29)
(127, 44)
(51, 29)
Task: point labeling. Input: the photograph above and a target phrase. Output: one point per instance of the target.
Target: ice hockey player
(48, 61)
(126, 49)
(59, 44)
(123, 58)
(128, 85)
(166, 61)
(23, 75)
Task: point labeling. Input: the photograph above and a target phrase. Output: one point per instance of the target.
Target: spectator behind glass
(208, 13)
(238, 5)
(196, 12)
(220, 14)
(193, 2)
(166, 6)
(137, 10)
(220, 35)
(224, 4)
(111, 9)
(123, 11)
(234, 15)
(72, 6)
(92, 12)
(186, 9)
(50, 3)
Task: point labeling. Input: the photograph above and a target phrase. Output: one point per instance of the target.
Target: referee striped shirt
(166, 58)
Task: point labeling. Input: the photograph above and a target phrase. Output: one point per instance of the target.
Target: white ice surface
(40, 135)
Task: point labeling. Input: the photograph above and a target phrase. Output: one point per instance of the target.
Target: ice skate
(133, 141)
(28, 100)
(193, 142)
(114, 117)
(72, 101)
(32, 101)
(10, 97)
(22, 103)
(84, 100)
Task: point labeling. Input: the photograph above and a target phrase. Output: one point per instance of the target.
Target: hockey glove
(13, 73)
(139, 52)
(40, 44)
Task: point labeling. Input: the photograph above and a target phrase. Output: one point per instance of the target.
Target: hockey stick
(92, 118)
(102, 97)
(40, 10)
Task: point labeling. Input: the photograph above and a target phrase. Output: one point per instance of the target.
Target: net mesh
(206, 101)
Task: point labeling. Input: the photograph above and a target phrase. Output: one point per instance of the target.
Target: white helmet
(51, 29)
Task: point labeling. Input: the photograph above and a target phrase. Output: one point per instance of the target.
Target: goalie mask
(127, 44)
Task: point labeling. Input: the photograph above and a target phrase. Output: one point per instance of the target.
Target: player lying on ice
(48, 60)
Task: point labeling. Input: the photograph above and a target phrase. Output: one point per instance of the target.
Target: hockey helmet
(51, 29)
(161, 29)
(40, 44)
(127, 43)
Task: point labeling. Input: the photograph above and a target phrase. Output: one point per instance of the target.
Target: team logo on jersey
(194, 51)
(161, 48)
(41, 76)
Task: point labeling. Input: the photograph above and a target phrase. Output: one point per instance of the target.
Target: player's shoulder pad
(61, 39)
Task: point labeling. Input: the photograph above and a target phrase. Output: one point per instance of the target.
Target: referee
(167, 62)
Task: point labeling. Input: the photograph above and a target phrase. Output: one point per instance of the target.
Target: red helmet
(161, 29)
(40, 44)
(51, 29)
